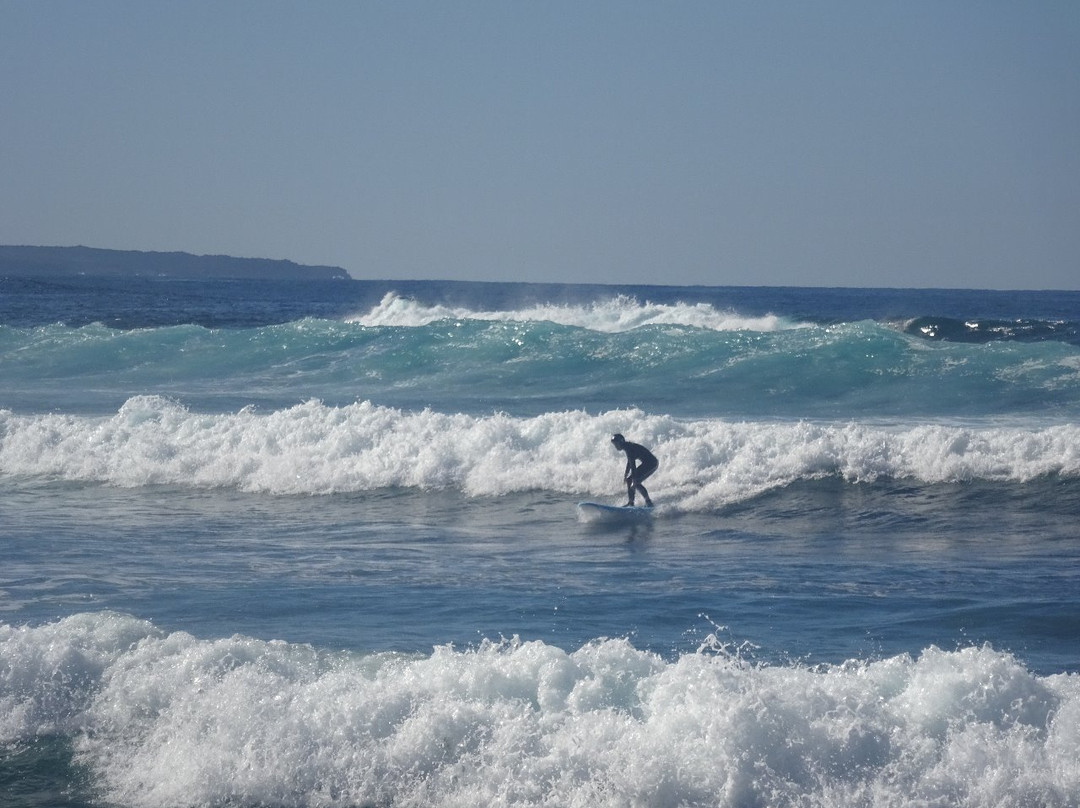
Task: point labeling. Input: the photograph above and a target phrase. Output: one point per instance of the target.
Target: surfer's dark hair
(617, 438)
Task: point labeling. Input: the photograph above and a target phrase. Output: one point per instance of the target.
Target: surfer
(640, 463)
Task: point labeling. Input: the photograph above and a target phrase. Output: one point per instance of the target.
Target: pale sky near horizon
(832, 143)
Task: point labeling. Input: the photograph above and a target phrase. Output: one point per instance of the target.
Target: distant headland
(53, 261)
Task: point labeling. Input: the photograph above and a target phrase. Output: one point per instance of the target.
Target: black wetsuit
(646, 464)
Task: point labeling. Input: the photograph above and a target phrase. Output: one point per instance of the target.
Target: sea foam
(313, 448)
(170, 719)
(620, 313)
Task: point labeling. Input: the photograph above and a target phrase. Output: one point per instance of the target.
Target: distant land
(53, 261)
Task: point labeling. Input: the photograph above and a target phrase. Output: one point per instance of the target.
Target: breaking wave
(313, 448)
(621, 313)
(168, 719)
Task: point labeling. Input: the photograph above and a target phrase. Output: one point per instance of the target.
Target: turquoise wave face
(853, 370)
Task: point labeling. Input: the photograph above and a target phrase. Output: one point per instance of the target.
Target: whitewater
(315, 449)
(317, 544)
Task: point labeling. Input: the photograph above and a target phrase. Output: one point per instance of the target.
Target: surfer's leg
(645, 494)
(640, 474)
(635, 482)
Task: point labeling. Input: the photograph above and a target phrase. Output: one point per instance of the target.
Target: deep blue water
(318, 544)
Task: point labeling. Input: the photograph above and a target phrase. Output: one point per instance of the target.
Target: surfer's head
(618, 440)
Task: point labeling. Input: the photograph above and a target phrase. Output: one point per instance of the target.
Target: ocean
(318, 544)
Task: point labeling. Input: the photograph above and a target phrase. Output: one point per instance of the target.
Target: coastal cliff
(52, 261)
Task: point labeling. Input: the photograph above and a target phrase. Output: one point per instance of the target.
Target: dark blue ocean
(318, 544)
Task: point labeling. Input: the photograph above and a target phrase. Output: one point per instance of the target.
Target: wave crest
(317, 449)
(618, 314)
(170, 719)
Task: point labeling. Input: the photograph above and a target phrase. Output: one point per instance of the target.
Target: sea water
(317, 544)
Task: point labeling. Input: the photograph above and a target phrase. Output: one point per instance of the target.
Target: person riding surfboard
(640, 463)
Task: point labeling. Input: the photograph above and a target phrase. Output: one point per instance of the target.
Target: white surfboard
(598, 511)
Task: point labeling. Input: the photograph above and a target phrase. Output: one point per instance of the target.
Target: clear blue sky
(857, 143)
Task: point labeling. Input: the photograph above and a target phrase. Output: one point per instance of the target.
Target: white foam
(174, 720)
(316, 449)
(621, 313)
